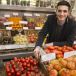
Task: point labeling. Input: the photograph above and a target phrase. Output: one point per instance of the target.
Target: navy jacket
(66, 36)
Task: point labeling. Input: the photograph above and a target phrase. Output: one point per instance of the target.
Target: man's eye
(65, 11)
(59, 10)
(62, 11)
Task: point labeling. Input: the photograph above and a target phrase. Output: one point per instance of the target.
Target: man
(59, 27)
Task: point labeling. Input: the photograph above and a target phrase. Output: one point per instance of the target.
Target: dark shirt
(64, 35)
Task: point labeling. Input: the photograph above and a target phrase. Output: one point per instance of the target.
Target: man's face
(62, 12)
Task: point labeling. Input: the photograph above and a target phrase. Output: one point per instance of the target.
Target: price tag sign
(25, 28)
(36, 14)
(7, 15)
(49, 44)
(15, 13)
(48, 57)
(69, 54)
(2, 47)
(74, 42)
(23, 22)
(8, 23)
(38, 28)
(48, 14)
(27, 14)
(8, 28)
(22, 46)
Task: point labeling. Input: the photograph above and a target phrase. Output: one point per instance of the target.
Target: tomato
(18, 74)
(7, 69)
(28, 65)
(12, 71)
(9, 74)
(14, 66)
(31, 61)
(27, 61)
(24, 64)
(15, 59)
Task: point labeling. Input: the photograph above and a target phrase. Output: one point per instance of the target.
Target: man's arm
(42, 34)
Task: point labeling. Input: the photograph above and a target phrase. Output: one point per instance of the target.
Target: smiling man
(61, 29)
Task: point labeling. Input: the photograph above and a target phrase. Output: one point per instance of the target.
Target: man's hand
(37, 52)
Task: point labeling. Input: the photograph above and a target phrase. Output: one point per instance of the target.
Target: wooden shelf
(24, 8)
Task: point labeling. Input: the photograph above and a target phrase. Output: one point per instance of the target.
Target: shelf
(24, 8)
(12, 55)
(15, 46)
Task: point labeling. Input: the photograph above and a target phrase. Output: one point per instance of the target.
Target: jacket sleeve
(42, 34)
(70, 39)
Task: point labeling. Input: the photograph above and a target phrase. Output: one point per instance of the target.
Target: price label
(48, 57)
(48, 14)
(27, 14)
(69, 54)
(8, 23)
(2, 47)
(38, 28)
(49, 44)
(36, 14)
(74, 42)
(25, 28)
(15, 13)
(22, 46)
(23, 22)
(8, 28)
(7, 15)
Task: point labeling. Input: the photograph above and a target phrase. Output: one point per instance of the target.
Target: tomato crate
(21, 65)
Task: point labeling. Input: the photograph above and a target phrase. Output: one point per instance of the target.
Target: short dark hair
(64, 3)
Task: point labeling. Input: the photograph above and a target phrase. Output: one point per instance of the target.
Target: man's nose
(62, 13)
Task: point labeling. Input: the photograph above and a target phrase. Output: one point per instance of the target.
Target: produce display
(59, 51)
(29, 37)
(27, 66)
(15, 21)
(20, 39)
(62, 67)
(32, 36)
(36, 21)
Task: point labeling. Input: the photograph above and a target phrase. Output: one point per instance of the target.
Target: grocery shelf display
(20, 23)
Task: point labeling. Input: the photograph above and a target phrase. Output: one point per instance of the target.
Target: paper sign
(27, 14)
(74, 42)
(15, 13)
(8, 23)
(69, 54)
(25, 28)
(6, 15)
(23, 22)
(2, 47)
(8, 28)
(36, 14)
(38, 28)
(49, 44)
(48, 57)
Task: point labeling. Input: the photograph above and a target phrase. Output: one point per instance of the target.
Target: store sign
(27, 14)
(74, 42)
(23, 22)
(7, 15)
(69, 54)
(48, 57)
(38, 28)
(36, 14)
(49, 44)
(8, 28)
(8, 23)
(15, 13)
(25, 28)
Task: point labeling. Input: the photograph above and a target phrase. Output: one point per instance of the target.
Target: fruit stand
(20, 23)
(17, 63)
